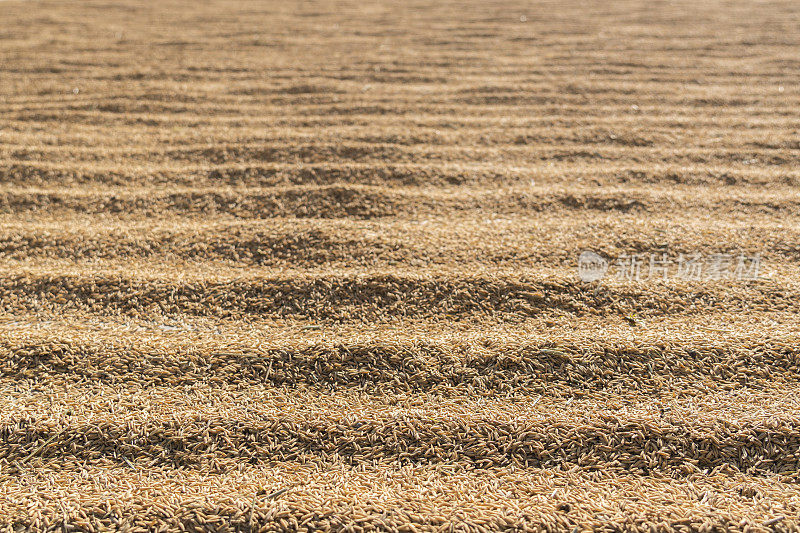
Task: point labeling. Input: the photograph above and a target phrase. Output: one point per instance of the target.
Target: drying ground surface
(275, 265)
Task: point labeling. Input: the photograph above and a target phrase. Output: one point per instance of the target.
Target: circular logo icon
(591, 266)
